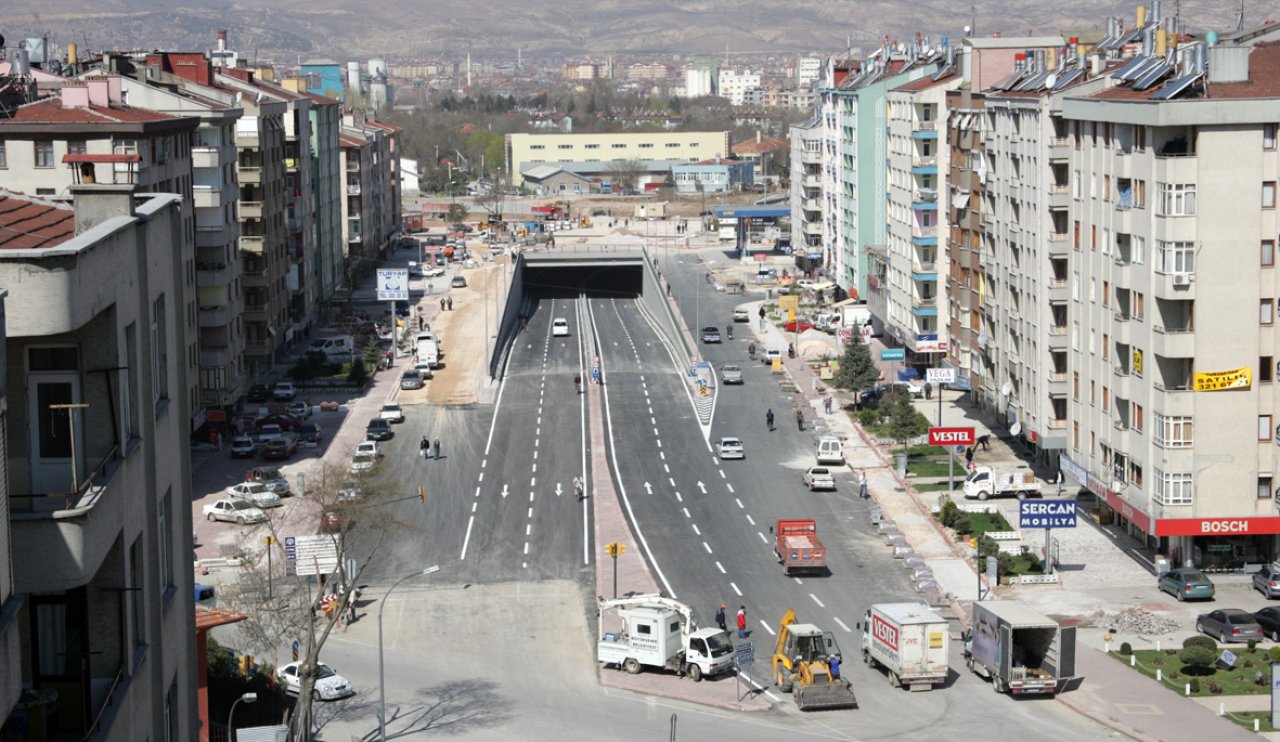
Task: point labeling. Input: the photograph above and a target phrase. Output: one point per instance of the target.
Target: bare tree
(627, 172)
(493, 200)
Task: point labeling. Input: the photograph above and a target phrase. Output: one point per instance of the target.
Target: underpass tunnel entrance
(566, 282)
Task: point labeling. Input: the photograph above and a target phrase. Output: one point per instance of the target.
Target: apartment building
(909, 298)
(326, 168)
(806, 190)
(964, 155)
(1173, 299)
(98, 465)
(527, 150)
(11, 602)
(808, 71)
(85, 132)
(737, 86)
(371, 210)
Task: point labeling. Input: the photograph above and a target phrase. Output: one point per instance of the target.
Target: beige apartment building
(529, 150)
(98, 493)
(1173, 341)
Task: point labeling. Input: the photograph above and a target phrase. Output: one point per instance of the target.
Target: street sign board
(312, 555)
(393, 284)
(940, 375)
(1047, 514)
(745, 653)
(893, 354)
(951, 436)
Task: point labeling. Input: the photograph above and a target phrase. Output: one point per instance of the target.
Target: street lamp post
(382, 681)
(247, 698)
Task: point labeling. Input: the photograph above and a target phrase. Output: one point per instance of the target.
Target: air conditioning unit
(1181, 279)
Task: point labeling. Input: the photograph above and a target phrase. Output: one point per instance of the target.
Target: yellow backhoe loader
(802, 666)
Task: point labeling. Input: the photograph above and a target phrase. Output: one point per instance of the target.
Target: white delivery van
(428, 351)
(830, 450)
(337, 346)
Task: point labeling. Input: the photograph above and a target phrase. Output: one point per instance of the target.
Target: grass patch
(980, 523)
(935, 486)
(1237, 681)
(931, 468)
(1245, 719)
(1026, 565)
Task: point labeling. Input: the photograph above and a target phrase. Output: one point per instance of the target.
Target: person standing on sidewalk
(450, 303)
(862, 484)
(436, 448)
(1058, 481)
(826, 404)
(424, 449)
(720, 618)
(742, 622)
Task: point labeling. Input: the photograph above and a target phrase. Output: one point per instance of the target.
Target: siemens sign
(1047, 514)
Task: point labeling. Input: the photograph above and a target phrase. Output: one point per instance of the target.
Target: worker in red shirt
(742, 622)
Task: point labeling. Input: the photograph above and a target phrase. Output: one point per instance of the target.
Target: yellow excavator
(802, 666)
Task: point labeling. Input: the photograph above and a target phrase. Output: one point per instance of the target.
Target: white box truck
(660, 632)
(428, 351)
(910, 641)
(1018, 649)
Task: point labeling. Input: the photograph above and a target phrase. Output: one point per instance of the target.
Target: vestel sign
(951, 436)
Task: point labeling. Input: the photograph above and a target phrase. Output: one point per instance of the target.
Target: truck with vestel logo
(910, 641)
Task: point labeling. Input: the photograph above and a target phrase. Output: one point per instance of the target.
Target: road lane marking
(480, 478)
(679, 498)
(526, 548)
(740, 505)
(528, 529)
(484, 463)
(467, 539)
(720, 567)
(672, 481)
(702, 487)
(750, 519)
(815, 599)
(533, 481)
(474, 505)
(477, 491)
(846, 628)
(655, 432)
(686, 512)
(735, 589)
(530, 513)
(722, 476)
(730, 486)
(707, 546)
(695, 529)
(530, 497)
(659, 443)
(768, 628)
(662, 455)
(535, 468)
(762, 538)
(535, 453)
(666, 468)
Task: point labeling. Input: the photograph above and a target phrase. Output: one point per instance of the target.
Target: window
(1266, 312)
(1264, 487)
(1139, 305)
(646, 145)
(537, 146)
(44, 154)
(672, 145)
(164, 544)
(129, 388)
(1138, 249)
(1268, 253)
(1075, 386)
(1106, 399)
(1106, 346)
(618, 146)
(4, 155)
(1106, 293)
(591, 146)
(1137, 417)
(1268, 136)
(564, 146)
(159, 353)
(77, 147)
(1174, 432)
(1137, 362)
(1177, 199)
(1173, 488)
(1269, 194)
(1175, 257)
(1264, 368)
(138, 603)
(1264, 427)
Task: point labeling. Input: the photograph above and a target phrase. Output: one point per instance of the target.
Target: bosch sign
(1216, 526)
(951, 436)
(885, 632)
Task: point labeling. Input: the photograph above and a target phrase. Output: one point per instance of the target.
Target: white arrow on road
(504, 491)
(557, 489)
(648, 488)
(702, 487)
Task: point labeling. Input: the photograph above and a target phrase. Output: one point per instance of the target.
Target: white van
(428, 351)
(830, 450)
(337, 346)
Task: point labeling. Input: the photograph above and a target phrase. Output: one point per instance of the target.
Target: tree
(456, 213)
(857, 371)
(1198, 659)
(905, 423)
(626, 173)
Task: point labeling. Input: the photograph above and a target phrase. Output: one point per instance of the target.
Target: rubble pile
(1139, 621)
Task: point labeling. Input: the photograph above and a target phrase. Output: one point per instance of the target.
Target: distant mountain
(283, 30)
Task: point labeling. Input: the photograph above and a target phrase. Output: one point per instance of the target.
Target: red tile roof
(323, 100)
(27, 223)
(384, 126)
(924, 83)
(51, 111)
(346, 140)
(751, 146)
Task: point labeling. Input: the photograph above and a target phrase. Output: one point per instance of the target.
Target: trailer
(660, 632)
(910, 641)
(798, 547)
(1021, 651)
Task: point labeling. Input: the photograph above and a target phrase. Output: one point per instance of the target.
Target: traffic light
(247, 668)
(422, 493)
(615, 549)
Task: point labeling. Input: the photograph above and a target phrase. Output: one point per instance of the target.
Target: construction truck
(660, 632)
(805, 662)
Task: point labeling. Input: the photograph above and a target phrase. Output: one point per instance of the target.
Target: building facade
(713, 176)
(806, 189)
(524, 150)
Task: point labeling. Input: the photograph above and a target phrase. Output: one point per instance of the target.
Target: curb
(1106, 721)
(663, 693)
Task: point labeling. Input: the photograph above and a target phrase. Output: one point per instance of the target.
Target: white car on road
(255, 493)
(329, 685)
(560, 327)
(730, 448)
(392, 413)
(234, 511)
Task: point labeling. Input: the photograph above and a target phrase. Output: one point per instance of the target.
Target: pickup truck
(984, 482)
(798, 548)
(818, 478)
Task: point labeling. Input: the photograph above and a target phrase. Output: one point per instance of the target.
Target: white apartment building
(806, 188)
(10, 600)
(736, 85)
(916, 267)
(1174, 339)
(99, 496)
(808, 70)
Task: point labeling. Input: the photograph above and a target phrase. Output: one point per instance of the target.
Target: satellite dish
(967, 29)
(1051, 81)
(1015, 429)
(1006, 390)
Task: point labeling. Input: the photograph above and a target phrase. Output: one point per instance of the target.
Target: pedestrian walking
(968, 455)
(928, 390)
(424, 448)
(435, 447)
(450, 303)
(720, 617)
(768, 418)
(1058, 481)
(577, 383)
(826, 404)
(422, 323)
(578, 486)
(862, 484)
(800, 419)
(442, 303)
(742, 622)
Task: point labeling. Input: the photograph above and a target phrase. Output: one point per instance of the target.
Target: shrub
(1035, 563)
(1198, 660)
(1214, 688)
(1004, 563)
(1195, 685)
(1253, 644)
(962, 524)
(1273, 654)
(358, 374)
(987, 546)
(1199, 640)
(1126, 649)
(947, 513)
(870, 417)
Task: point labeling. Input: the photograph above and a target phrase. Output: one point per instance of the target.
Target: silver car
(1229, 625)
(731, 374)
(1267, 580)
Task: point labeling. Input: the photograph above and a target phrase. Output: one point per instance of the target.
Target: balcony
(204, 157)
(210, 273)
(921, 133)
(811, 157)
(257, 313)
(250, 175)
(811, 227)
(811, 204)
(211, 236)
(247, 139)
(1121, 383)
(811, 181)
(353, 166)
(354, 237)
(1122, 328)
(1059, 197)
(291, 164)
(924, 166)
(254, 279)
(353, 189)
(214, 316)
(1059, 290)
(206, 197)
(251, 210)
(252, 244)
(920, 239)
(68, 533)
(1175, 286)
(1059, 149)
(1122, 272)
(216, 356)
(1173, 342)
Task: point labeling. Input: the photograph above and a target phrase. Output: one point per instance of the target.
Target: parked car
(1269, 619)
(258, 393)
(1267, 580)
(369, 447)
(458, 282)
(730, 448)
(348, 495)
(362, 462)
(309, 435)
(280, 448)
(463, 228)
(253, 492)
(731, 373)
(1185, 584)
(242, 447)
(234, 511)
(378, 430)
(818, 478)
(287, 422)
(433, 272)
(741, 315)
(269, 477)
(283, 391)
(331, 521)
(391, 412)
(411, 379)
(1229, 625)
(711, 334)
(800, 325)
(329, 685)
(424, 370)
(560, 327)
(770, 355)
(300, 410)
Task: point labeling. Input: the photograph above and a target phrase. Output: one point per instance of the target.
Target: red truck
(798, 547)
